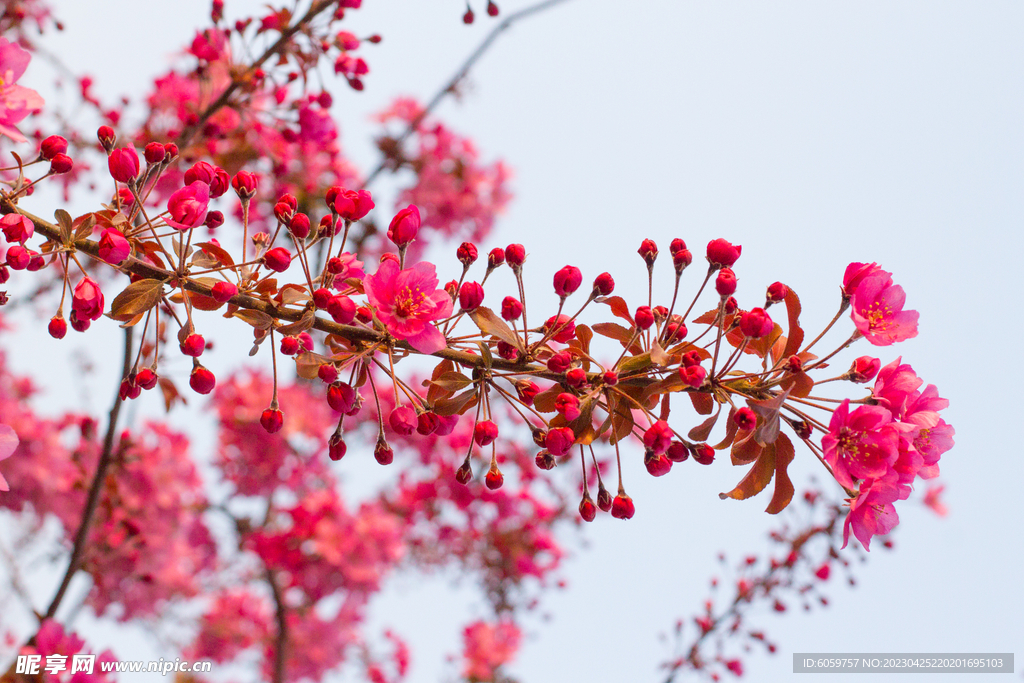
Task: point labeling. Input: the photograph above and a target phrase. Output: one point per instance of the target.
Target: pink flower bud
(464, 474)
(17, 228)
(382, 453)
(676, 246)
(215, 178)
(588, 511)
(722, 254)
(202, 380)
(471, 296)
(403, 420)
(272, 420)
(604, 284)
(559, 440)
(466, 253)
(691, 358)
(864, 369)
(657, 464)
(283, 212)
(485, 432)
(610, 377)
(451, 288)
(576, 378)
(644, 317)
(468, 17)
(658, 437)
(353, 205)
(492, 8)
(515, 254)
(745, 418)
(146, 378)
(342, 309)
(648, 252)
(756, 323)
(404, 226)
(725, 283)
(298, 225)
(776, 292)
(105, 134)
(154, 153)
(78, 324)
(604, 498)
(507, 351)
(511, 309)
(322, 297)
(223, 291)
(171, 151)
(527, 391)
(328, 374)
(566, 328)
(36, 262)
(495, 258)
(622, 507)
(427, 423)
(113, 247)
(123, 164)
(560, 362)
(87, 301)
(693, 376)
(278, 259)
(194, 345)
(244, 184)
(731, 306)
(567, 280)
(289, 346)
(681, 259)
(568, 406)
(52, 146)
(703, 453)
(18, 257)
(214, 219)
(188, 206)
(61, 163)
(58, 327)
(341, 397)
(494, 479)
(677, 452)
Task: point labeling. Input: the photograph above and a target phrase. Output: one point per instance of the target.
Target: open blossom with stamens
(860, 444)
(408, 301)
(878, 311)
(872, 512)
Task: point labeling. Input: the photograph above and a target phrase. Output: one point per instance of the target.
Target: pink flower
(123, 164)
(894, 385)
(114, 248)
(16, 102)
(878, 311)
(17, 228)
(488, 647)
(188, 206)
(861, 444)
(87, 301)
(404, 226)
(8, 442)
(408, 301)
(871, 512)
(855, 274)
(931, 499)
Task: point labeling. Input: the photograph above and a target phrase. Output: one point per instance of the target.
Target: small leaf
(485, 352)
(658, 355)
(619, 334)
(307, 364)
(784, 454)
(619, 308)
(138, 297)
(544, 402)
(702, 402)
(170, 392)
(796, 333)
(299, 326)
(451, 382)
(458, 404)
(258, 319)
(744, 448)
(492, 325)
(216, 252)
(622, 420)
(702, 431)
(433, 392)
(635, 363)
(757, 477)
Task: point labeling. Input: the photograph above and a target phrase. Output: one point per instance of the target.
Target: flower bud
(202, 380)
(298, 225)
(328, 374)
(644, 317)
(58, 327)
(341, 397)
(342, 309)
(776, 293)
(588, 511)
(864, 369)
(466, 253)
(756, 323)
(404, 226)
(495, 258)
(658, 437)
(146, 378)
(511, 309)
(648, 252)
(604, 498)
(123, 164)
(544, 461)
(492, 8)
(214, 219)
(494, 479)
(468, 17)
(18, 257)
(691, 358)
(568, 406)
(278, 259)
(731, 306)
(576, 378)
(87, 301)
(657, 464)
(289, 346)
(61, 163)
(527, 391)
(567, 280)
(622, 507)
(464, 474)
(336, 447)
(677, 452)
(272, 420)
(745, 418)
(154, 153)
(722, 254)
(427, 423)
(603, 285)
(52, 146)
(681, 259)
(676, 246)
(382, 453)
(171, 152)
(403, 420)
(484, 433)
(223, 291)
(610, 378)
(106, 136)
(693, 376)
(703, 453)
(113, 247)
(515, 254)
(471, 296)
(283, 212)
(725, 283)
(559, 362)
(566, 328)
(194, 345)
(559, 440)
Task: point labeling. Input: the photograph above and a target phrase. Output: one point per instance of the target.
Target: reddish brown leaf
(459, 403)
(744, 448)
(784, 454)
(492, 325)
(170, 392)
(702, 402)
(799, 384)
(136, 298)
(434, 392)
(796, 333)
(544, 402)
(216, 252)
(619, 308)
(757, 477)
(702, 431)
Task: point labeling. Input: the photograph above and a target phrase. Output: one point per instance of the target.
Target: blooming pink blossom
(860, 444)
(855, 274)
(931, 499)
(87, 301)
(871, 512)
(16, 102)
(878, 311)
(8, 442)
(408, 301)
(487, 647)
(188, 206)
